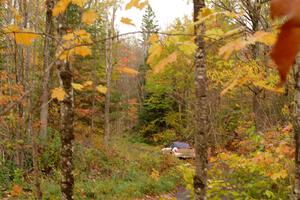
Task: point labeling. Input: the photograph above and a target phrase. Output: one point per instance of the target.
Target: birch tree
(201, 127)
(109, 69)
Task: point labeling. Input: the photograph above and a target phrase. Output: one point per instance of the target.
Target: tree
(67, 119)
(297, 127)
(254, 18)
(48, 53)
(201, 127)
(149, 26)
(110, 28)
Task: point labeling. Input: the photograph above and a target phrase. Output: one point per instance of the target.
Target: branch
(13, 104)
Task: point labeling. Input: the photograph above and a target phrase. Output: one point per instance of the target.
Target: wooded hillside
(86, 108)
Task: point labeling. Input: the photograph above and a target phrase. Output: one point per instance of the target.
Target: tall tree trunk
(67, 121)
(201, 143)
(33, 133)
(35, 154)
(109, 70)
(47, 55)
(296, 124)
(254, 13)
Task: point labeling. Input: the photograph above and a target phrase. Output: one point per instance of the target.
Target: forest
(88, 110)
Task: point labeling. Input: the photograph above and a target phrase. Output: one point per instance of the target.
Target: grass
(129, 170)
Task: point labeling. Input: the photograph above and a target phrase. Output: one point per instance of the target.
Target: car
(180, 150)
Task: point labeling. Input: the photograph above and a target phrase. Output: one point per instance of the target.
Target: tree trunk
(109, 69)
(296, 125)
(35, 154)
(47, 56)
(201, 132)
(67, 121)
(256, 51)
(257, 109)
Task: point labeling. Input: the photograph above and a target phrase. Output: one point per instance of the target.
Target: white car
(179, 150)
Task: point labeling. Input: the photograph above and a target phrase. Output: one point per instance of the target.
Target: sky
(166, 12)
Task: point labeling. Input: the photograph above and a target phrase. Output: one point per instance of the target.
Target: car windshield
(180, 145)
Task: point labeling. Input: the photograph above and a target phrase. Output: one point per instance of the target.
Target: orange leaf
(127, 70)
(286, 49)
(280, 8)
(16, 190)
(288, 42)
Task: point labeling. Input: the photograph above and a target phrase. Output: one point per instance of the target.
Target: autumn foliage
(288, 42)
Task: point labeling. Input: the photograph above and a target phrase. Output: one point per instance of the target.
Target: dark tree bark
(201, 139)
(296, 125)
(67, 121)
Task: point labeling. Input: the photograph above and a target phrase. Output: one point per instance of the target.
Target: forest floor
(180, 193)
(129, 170)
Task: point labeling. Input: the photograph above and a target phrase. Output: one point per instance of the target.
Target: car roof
(182, 145)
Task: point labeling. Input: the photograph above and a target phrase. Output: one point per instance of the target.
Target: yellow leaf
(82, 51)
(163, 63)
(87, 83)
(132, 3)
(230, 47)
(64, 55)
(60, 7)
(279, 175)
(127, 21)
(22, 36)
(127, 70)
(102, 89)
(77, 86)
(69, 36)
(81, 32)
(79, 3)
(188, 48)
(83, 36)
(153, 38)
(214, 33)
(154, 52)
(58, 93)
(142, 5)
(155, 174)
(268, 38)
(11, 29)
(25, 38)
(206, 12)
(88, 17)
